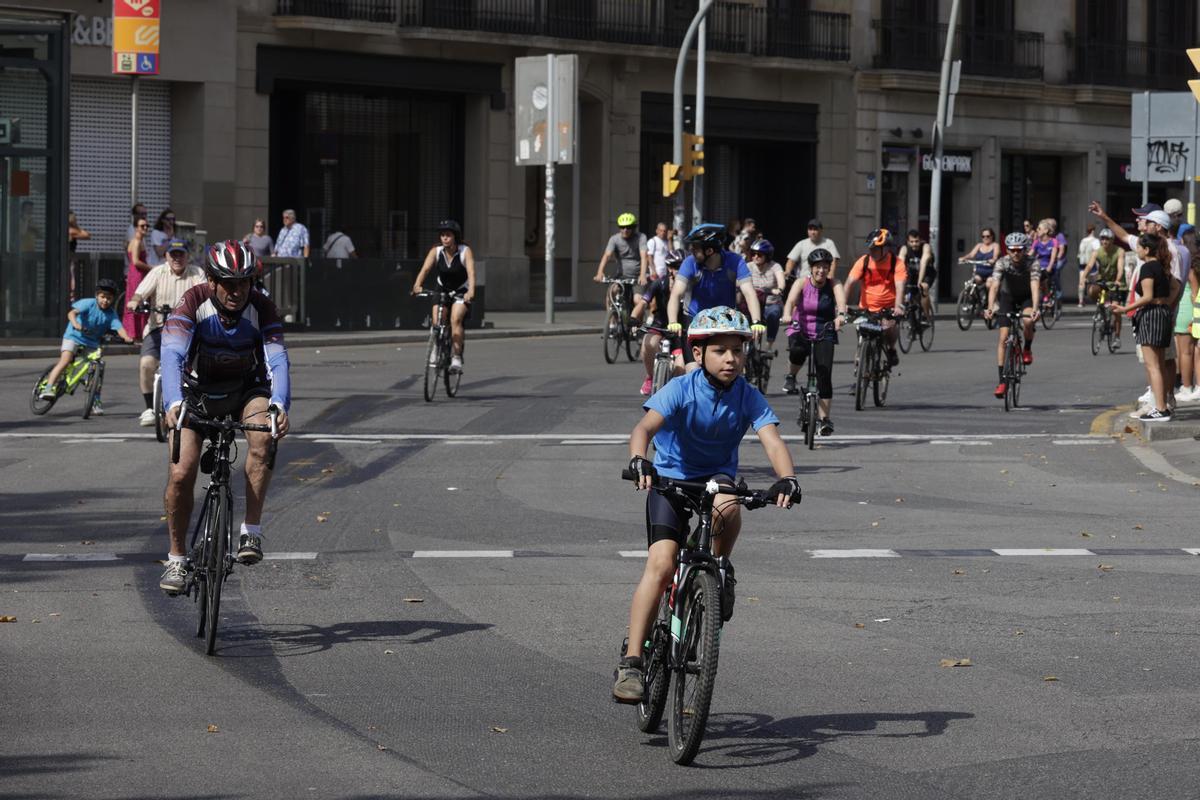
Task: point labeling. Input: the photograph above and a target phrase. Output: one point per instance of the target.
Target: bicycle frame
(79, 367)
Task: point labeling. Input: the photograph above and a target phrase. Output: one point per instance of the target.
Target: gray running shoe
(174, 578)
(789, 385)
(97, 408)
(629, 686)
(249, 549)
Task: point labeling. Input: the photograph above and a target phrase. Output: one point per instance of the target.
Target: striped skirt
(1153, 325)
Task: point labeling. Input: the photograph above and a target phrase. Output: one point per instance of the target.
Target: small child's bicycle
(87, 370)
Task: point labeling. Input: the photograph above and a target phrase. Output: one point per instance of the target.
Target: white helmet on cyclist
(718, 321)
(1016, 241)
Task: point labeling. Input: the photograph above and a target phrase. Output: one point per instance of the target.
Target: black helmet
(231, 260)
(452, 226)
(674, 259)
(706, 234)
(880, 237)
(820, 256)
(106, 285)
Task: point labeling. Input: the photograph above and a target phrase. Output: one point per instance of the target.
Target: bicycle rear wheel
(632, 348)
(907, 332)
(93, 381)
(964, 314)
(694, 678)
(218, 530)
(810, 412)
(663, 368)
(883, 378)
(452, 379)
(433, 364)
(1011, 355)
(37, 404)
(927, 334)
(658, 675)
(1109, 338)
(764, 372)
(1097, 333)
(862, 374)
(612, 336)
(1051, 312)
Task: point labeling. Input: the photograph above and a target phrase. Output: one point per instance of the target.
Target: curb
(314, 340)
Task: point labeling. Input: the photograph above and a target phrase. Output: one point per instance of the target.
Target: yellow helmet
(626, 220)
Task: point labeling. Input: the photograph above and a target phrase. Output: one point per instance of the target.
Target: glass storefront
(33, 88)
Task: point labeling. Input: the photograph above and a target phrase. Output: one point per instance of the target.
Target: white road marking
(71, 557)
(633, 553)
(273, 556)
(594, 441)
(853, 554)
(959, 444)
(1154, 461)
(462, 554)
(1193, 550)
(89, 441)
(1081, 441)
(1042, 551)
(329, 440)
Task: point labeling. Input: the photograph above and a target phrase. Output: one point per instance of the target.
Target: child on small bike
(697, 422)
(89, 319)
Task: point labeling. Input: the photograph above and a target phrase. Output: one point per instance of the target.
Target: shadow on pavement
(808, 792)
(282, 641)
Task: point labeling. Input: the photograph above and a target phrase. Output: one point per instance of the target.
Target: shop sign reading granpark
(958, 163)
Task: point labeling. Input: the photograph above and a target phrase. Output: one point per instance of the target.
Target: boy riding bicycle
(89, 319)
(697, 422)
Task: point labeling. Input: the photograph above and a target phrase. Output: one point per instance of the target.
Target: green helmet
(626, 220)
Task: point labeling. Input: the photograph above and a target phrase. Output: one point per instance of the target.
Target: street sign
(135, 36)
(534, 98)
(1163, 137)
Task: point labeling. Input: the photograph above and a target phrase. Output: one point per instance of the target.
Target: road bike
(758, 364)
(871, 368)
(809, 399)
(1014, 363)
(618, 328)
(160, 428)
(972, 300)
(1050, 305)
(664, 360)
(1102, 321)
(682, 648)
(86, 370)
(441, 346)
(211, 548)
(915, 323)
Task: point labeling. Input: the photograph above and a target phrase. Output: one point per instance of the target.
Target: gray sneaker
(629, 686)
(249, 549)
(174, 578)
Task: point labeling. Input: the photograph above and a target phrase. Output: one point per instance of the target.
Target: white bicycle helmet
(717, 321)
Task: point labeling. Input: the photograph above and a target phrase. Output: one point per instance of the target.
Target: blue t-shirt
(703, 427)
(714, 287)
(94, 321)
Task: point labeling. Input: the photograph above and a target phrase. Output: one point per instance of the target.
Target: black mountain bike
(871, 367)
(810, 408)
(210, 550)
(1014, 364)
(684, 642)
(618, 328)
(972, 301)
(915, 324)
(1102, 320)
(441, 347)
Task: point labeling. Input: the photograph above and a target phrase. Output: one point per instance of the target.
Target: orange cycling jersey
(878, 282)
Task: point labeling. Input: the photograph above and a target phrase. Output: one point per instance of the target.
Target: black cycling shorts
(668, 517)
(1009, 302)
(217, 401)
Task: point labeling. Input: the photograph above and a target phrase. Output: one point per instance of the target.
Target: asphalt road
(457, 577)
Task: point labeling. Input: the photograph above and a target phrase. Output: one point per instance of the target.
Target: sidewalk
(498, 325)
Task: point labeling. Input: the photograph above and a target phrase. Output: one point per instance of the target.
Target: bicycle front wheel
(1097, 333)
(37, 404)
(218, 532)
(964, 314)
(927, 335)
(1110, 338)
(632, 347)
(810, 412)
(663, 369)
(94, 380)
(908, 331)
(1011, 373)
(433, 364)
(452, 378)
(699, 648)
(1051, 312)
(883, 378)
(612, 336)
(658, 676)
(862, 375)
(160, 429)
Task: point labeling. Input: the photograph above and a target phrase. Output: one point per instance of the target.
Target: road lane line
(71, 557)
(861, 553)
(1042, 551)
(462, 554)
(1155, 462)
(273, 556)
(1063, 442)
(633, 553)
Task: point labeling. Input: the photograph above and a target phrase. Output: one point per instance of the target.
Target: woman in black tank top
(455, 271)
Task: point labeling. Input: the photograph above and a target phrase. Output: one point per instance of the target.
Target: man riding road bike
(222, 353)
(1017, 281)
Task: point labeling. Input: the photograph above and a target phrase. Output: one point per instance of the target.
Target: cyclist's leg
(823, 356)
(798, 350)
(148, 364)
(772, 313)
(179, 495)
(458, 331)
(650, 343)
(637, 305)
(666, 529)
(727, 521)
(258, 477)
(65, 357)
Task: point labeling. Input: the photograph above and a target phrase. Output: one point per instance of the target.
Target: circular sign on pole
(541, 97)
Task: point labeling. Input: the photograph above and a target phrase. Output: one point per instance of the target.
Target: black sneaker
(893, 358)
(789, 385)
(249, 549)
(628, 684)
(826, 427)
(1154, 415)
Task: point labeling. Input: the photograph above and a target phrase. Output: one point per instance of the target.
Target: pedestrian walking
(258, 240)
(338, 245)
(292, 241)
(136, 268)
(657, 248)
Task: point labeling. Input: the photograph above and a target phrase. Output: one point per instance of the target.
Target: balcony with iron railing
(988, 52)
(1135, 65)
(733, 27)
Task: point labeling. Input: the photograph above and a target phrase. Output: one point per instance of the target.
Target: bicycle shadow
(754, 475)
(286, 641)
(758, 740)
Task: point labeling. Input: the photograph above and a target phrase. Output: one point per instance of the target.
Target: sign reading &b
(135, 37)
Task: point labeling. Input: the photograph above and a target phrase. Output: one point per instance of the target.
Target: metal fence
(732, 27)
(994, 53)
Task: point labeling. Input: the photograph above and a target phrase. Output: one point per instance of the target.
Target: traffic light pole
(939, 131)
(698, 181)
(680, 63)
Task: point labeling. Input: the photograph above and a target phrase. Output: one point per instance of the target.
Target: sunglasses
(169, 219)
(986, 236)
(143, 227)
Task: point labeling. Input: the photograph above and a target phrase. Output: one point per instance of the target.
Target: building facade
(380, 117)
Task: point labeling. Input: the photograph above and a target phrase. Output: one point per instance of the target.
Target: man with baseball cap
(816, 240)
(163, 286)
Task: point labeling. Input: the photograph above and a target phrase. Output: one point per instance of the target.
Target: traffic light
(1194, 55)
(670, 178)
(693, 156)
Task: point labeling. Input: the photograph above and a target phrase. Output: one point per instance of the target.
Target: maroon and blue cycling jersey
(195, 339)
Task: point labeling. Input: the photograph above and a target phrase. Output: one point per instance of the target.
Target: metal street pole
(1146, 173)
(133, 156)
(680, 62)
(551, 144)
(939, 129)
(1191, 178)
(698, 181)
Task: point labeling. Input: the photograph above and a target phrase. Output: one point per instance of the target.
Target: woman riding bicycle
(816, 309)
(455, 274)
(766, 275)
(986, 249)
(697, 422)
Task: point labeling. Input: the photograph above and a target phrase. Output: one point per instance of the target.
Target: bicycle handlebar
(750, 498)
(228, 425)
(626, 281)
(979, 262)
